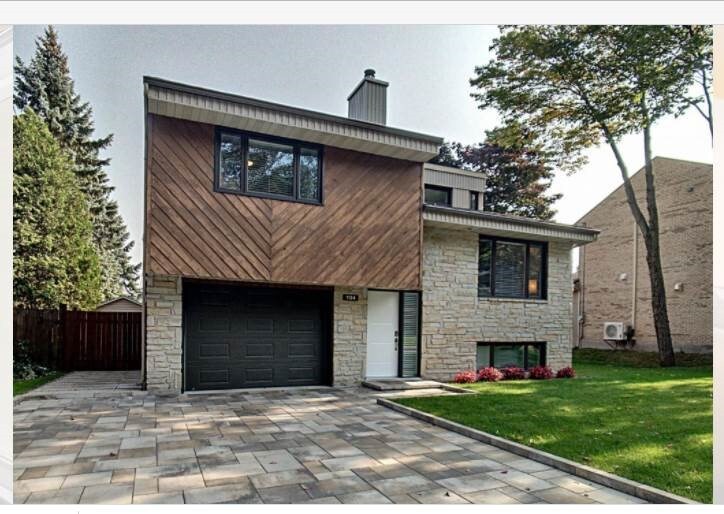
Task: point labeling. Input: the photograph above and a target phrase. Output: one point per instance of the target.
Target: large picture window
(504, 355)
(510, 268)
(268, 167)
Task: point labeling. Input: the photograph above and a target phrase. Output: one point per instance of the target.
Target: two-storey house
(287, 247)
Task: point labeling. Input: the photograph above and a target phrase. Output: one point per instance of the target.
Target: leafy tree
(55, 261)
(698, 40)
(575, 86)
(45, 85)
(517, 171)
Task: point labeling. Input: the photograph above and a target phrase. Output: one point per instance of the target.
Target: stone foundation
(163, 333)
(164, 343)
(350, 337)
(454, 319)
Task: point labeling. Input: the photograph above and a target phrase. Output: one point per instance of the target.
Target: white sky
(316, 67)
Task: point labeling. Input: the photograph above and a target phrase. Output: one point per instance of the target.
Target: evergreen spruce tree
(54, 259)
(45, 86)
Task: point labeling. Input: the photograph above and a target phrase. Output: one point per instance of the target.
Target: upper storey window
(268, 167)
(437, 195)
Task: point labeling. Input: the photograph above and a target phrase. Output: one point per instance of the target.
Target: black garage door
(237, 337)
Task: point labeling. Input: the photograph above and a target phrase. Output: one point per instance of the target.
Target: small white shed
(120, 304)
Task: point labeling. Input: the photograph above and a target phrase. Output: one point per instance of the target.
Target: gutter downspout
(144, 283)
(634, 273)
(581, 289)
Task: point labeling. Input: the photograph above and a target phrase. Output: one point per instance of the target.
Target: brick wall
(163, 333)
(684, 198)
(455, 319)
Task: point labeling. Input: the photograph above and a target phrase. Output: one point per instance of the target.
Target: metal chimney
(368, 101)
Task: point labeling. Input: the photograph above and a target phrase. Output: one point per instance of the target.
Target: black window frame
(526, 267)
(541, 345)
(474, 200)
(447, 190)
(297, 145)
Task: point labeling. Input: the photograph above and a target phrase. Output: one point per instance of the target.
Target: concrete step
(392, 384)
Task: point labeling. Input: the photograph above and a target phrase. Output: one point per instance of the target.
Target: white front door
(382, 325)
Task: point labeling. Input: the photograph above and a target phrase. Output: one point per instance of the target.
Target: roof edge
(234, 98)
(513, 219)
(118, 298)
(655, 158)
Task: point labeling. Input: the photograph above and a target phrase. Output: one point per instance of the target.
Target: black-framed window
(511, 268)
(438, 195)
(504, 355)
(268, 167)
(474, 198)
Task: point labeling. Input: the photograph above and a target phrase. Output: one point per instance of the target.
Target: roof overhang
(202, 105)
(504, 225)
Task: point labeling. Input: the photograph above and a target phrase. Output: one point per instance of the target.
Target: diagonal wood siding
(367, 233)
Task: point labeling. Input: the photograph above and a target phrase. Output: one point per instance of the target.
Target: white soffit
(507, 226)
(195, 104)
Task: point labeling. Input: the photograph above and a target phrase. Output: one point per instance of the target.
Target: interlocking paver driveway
(323, 445)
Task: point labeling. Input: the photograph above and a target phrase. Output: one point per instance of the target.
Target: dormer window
(267, 167)
(437, 195)
(474, 200)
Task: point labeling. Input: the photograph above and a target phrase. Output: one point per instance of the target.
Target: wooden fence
(80, 340)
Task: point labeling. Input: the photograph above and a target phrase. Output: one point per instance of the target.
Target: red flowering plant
(489, 374)
(513, 373)
(567, 372)
(465, 377)
(540, 373)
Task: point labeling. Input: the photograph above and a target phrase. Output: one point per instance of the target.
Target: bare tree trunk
(650, 233)
(653, 260)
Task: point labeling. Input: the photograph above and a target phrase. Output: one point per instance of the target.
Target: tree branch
(709, 118)
(627, 187)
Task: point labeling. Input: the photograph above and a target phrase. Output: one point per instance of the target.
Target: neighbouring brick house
(613, 282)
(287, 247)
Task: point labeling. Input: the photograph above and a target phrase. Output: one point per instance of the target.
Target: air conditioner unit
(614, 331)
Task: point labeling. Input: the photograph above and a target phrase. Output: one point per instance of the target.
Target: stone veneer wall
(454, 319)
(163, 333)
(350, 337)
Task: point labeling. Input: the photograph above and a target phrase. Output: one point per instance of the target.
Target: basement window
(267, 167)
(504, 355)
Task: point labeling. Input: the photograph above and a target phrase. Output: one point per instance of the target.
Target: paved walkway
(321, 445)
(84, 381)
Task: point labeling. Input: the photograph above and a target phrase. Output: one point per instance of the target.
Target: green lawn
(23, 386)
(649, 424)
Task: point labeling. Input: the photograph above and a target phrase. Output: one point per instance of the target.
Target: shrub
(23, 366)
(489, 374)
(540, 373)
(513, 373)
(465, 377)
(567, 372)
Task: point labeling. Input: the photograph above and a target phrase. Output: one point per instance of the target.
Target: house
(287, 247)
(120, 304)
(613, 279)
